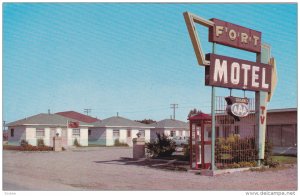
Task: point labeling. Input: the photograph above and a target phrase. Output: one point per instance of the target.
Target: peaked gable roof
(118, 121)
(78, 116)
(170, 123)
(44, 119)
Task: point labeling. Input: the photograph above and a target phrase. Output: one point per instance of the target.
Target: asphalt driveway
(106, 168)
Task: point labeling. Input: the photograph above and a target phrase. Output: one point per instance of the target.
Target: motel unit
(46, 126)
(107, 131)
(170, 127)
(281, 129)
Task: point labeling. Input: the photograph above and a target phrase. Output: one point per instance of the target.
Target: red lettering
(262, 119)
(262, 109)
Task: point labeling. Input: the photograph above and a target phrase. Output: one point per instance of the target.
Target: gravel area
(103, 168)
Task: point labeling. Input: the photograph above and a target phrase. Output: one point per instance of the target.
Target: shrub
(186, 151)
(76, 143)
(163, 146)
(234, 151)
(40, 142)
(268, 161)
(23, 143)
(118, 143)
(28, 148)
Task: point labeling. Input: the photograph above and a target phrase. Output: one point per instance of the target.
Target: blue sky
(135, 59)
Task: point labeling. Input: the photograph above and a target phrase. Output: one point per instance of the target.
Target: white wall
(82, 139)
(70, 138)
(167, 132)
(47, 137)
(147, 135)
(123, 135)
(84, 136)
(133, 135)
(109, 137)
(30, 136)
(32, 139)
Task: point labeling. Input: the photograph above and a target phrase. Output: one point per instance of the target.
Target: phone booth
(200, 141)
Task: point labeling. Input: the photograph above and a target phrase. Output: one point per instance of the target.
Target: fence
(235, 138)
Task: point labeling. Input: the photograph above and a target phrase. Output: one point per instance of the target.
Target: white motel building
(281, 129)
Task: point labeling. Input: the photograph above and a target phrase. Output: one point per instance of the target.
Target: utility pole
(174, 106)
(87, 111)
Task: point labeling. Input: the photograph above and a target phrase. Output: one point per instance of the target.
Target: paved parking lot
(102, 168)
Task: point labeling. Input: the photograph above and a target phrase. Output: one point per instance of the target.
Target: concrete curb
(222, 171)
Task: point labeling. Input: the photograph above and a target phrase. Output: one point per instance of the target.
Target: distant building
(282, 130)
(170, 127)
(45, 126)
(116, 128)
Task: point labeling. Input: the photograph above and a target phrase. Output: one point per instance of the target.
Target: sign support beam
(261, 107)
(213, 119)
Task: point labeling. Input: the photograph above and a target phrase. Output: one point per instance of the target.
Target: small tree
(194, 112)
(76, 143)
(268, 155)
(40, 143)
(146, 121)
(118, 143)
(186, 151)
(163, 146)
(23, 143)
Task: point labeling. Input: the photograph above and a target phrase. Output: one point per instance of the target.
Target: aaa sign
(235, 73)
(237, 107)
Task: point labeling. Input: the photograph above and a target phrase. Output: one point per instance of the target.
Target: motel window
(116, 133)
(12, 132)
(90, 132)
(173, 133)
(40, 133)
(236, 129)
(128, 132)
(75, 132)
(142, 132)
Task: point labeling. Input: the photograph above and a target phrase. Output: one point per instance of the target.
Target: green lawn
(285, 159)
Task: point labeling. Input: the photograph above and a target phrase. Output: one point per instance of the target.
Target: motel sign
(233, 73)
(235, 36)
(237, 73)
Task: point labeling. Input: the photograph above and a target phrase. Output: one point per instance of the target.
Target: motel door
(201, 146)
(52, 135)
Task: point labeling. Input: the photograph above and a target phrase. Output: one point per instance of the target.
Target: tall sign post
(213, 119)
(234, 73)
(261, 101)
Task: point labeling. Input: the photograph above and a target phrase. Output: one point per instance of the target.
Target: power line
(87, 111)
